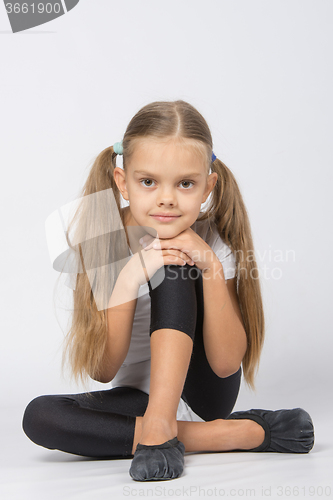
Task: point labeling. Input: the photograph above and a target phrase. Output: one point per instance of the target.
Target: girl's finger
(183, 256)
(145, 240)
(151, 245)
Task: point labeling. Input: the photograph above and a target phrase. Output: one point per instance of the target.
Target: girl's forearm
(223, 333)
(120, 316)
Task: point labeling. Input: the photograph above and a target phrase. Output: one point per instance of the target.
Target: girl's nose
(166, 197)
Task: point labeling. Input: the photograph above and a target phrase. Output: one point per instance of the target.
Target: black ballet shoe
(286, 431)
(158, 461)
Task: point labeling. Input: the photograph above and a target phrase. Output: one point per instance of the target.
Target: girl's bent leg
(101, 425)
(172, 327)
(170, 355)
(211, 397)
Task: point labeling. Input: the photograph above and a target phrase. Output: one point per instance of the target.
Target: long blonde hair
(85, 341)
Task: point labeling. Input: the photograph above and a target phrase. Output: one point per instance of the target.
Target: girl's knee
(176, 281)
(37, 419)
(182, 273)
(174, 300)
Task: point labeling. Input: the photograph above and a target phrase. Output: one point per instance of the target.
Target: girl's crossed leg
(110, 423)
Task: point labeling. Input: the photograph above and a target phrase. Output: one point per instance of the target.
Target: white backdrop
(261, 73)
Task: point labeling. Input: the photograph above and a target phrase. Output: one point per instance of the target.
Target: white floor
(31, 472)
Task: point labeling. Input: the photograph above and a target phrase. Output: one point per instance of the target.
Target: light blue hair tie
(213, 157)
(118, 148)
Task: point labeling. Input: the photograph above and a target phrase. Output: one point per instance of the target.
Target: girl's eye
(188, 182)
(150, 180)
(143, 180)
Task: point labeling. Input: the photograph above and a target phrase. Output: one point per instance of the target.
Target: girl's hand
(153, 260)
(190, 246)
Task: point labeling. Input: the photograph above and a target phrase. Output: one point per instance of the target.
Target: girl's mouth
(165, 218)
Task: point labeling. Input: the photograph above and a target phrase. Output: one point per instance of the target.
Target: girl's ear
(120, 180)
(211, 181)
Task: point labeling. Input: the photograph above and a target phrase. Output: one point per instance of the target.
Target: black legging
(103, 425)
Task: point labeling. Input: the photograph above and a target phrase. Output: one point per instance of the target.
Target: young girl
(185, 313)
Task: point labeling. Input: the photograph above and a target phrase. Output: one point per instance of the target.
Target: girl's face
(164, 177)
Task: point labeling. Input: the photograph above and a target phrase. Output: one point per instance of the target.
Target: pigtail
(228, 211)
(85, 342)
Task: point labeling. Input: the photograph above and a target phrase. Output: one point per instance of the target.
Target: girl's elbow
(104, 378)
(227, 367)
(227, 370)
